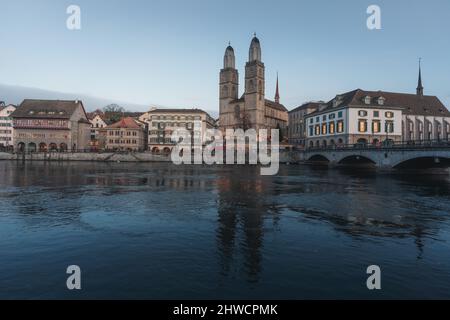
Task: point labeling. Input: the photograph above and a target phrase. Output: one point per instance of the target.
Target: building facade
(252, 109)
(6, 127)
(50, 125)
(297, 126)
(356, 117)
(127, 134)
(378, 117)
(163, 122)
(98, 122)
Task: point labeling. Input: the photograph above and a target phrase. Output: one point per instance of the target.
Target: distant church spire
(277, 93)
(419, 85)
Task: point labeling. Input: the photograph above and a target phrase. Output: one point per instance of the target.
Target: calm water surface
(158, 231)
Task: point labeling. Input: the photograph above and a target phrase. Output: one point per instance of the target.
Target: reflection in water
(184, 226)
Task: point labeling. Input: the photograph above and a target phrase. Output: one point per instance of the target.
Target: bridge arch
(423, 161)
(357, 159)
(318, 158)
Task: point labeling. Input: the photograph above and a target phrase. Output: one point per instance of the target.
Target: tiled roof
(411, 104)
(128, 123)
(55, 109)
(177, 111)
(308, 105)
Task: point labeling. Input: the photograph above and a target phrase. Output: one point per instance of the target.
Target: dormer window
(381, 101)
(337, 101)
(367, 100)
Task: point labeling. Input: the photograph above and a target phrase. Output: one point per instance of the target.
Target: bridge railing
(409, 145)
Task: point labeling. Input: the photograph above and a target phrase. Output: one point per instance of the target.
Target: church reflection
(243, 209)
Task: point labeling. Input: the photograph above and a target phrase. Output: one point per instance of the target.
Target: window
(367, 100)
(311, 120)
(340, 126)
(376, 114)
(324, 118)
(389, 115)
(237, 112)
(381, 101)
(376, 126)
(389, 127)
(311, 131)
(362, 125)
(340, 114)
(317, 119)
(324, 128)
(317, 130)
(331, 128)
(362, 113)
(332, 116)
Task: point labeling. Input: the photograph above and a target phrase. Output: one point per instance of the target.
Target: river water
(159, 231)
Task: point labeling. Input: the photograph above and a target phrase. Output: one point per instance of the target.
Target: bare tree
(113, 108)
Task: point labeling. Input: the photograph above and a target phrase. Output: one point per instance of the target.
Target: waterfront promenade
(384, 157)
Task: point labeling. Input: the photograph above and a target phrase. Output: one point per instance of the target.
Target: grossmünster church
(252, 109)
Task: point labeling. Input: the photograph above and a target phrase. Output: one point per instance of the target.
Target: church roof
(275, 105)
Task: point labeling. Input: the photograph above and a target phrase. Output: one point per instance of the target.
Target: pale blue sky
(169, 52)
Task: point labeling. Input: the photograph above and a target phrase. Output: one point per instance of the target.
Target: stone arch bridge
(381, 157)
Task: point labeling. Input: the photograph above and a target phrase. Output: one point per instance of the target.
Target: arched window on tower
(260, 90)
(224, 91)
(237, 112)
(251, 86)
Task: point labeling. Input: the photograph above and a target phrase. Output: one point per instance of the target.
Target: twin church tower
(252, 109)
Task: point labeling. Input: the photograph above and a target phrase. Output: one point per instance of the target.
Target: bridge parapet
(381, 157)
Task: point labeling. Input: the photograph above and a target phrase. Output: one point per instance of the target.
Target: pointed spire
(277, 93)
(419, 84)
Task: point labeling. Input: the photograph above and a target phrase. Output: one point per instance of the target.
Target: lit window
(376, 126)
(340, 126)
(389, 115)
(362, 126)
(332, 128)
(317, 130)
(324, 128)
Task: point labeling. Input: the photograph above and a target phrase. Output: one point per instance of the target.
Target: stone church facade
(252, 109)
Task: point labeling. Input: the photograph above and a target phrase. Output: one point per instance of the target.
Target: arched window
(224, 91)
(237, 112)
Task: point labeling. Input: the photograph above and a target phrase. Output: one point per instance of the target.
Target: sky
(169, 52)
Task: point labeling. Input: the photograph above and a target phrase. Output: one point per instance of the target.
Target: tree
(113, 108)
(114, 112)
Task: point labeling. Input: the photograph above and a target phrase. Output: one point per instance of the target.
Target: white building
(356, 117)
(6, 126)
(163, 122)
(374, 117)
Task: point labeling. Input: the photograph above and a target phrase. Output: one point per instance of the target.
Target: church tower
(255, 86)
(229, 83)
